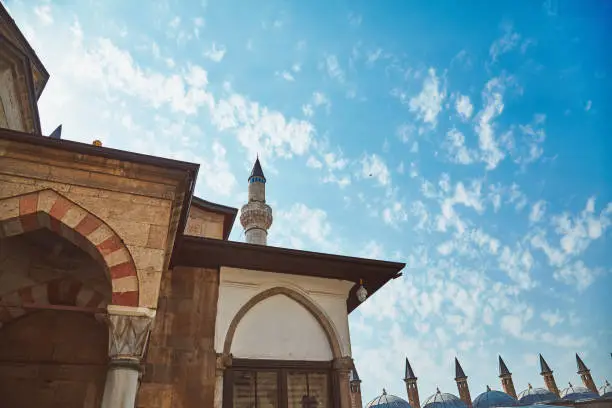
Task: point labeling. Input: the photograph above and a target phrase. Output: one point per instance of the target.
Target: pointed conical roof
(545, 369)
(257, 171)
(57, 133)
(503, 369)
(581, 366)
(458, 370)
(409, 375)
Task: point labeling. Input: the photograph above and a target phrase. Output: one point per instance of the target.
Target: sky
(467, 139)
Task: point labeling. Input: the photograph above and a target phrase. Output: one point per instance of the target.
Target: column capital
(223, 361)
(129, 329)
(343, 364)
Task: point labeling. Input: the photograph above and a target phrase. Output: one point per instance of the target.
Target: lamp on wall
(362, 293)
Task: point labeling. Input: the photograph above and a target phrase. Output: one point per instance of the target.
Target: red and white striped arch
(65, 292)
(49, 209)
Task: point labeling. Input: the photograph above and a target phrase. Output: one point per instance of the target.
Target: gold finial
(529, 386)
(97, 143)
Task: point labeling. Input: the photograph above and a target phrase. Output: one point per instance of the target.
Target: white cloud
(43, 12)
(333, 68)
(428, 103)
(457, 151)
(374, 166)
(494, 105)
(405, 132)
(506, 43)
(216, 52)
(314, 163)
(588, 106)
(577, 274)
(552, 318)
(464, 107)
(286, 75)
(303, 227)
(537, 211)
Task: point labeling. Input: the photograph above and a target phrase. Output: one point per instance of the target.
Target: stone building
(119, 288)
(587, 396)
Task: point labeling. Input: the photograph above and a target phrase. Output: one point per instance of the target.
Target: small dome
(493, 398)
(443, 400)
(535, 396)
(606, 390)
(388, 401)
(577, 393)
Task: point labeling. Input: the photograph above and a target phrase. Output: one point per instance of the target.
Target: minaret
(585, 375)
(506, 379)
(355, 385)
(411, 386)
(549, 379)
(256, 215)
(462, 384)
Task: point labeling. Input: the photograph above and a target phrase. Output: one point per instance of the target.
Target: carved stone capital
(223, 361)
(129, 330)
(343, 364)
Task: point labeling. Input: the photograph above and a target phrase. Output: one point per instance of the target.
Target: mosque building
(587, 395)
(119, 287)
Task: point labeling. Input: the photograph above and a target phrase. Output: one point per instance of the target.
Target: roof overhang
(212, 253)
(228, 213)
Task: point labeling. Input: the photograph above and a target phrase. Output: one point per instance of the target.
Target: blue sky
(467, 139)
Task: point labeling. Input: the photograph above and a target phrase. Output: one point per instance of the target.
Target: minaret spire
(549, 379)
(462, 384)
(411, 386)
(506, 378)
(256, 215)
(585, 375)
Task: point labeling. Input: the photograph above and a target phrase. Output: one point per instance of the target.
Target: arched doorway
(54, 279)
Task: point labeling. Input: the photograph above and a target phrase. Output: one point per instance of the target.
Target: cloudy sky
(467, 139)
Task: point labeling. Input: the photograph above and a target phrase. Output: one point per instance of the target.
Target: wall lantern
(362, 293)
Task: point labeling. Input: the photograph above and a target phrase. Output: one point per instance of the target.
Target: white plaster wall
(8, 95)
(238, 286)
(279, 328)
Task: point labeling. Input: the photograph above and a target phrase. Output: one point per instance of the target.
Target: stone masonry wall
(202, 223)
(180, 361)
(138, 204)
(53, 359)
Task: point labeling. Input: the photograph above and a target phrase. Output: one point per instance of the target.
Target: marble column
(342, 368)
(223, 362)
(129, 329)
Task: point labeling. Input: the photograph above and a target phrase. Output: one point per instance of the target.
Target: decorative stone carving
(129, 330)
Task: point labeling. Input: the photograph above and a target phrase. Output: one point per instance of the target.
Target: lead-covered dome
(388, 401)
(535, 396)
(577, 393)
(443, 400)
(493, 398)
(606, 390)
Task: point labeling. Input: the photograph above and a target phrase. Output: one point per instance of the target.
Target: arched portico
(284, 382)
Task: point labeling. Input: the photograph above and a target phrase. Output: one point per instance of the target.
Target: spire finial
(384, 392)
(438, 390)
(529, 386)
(570, 385)
(488, 388)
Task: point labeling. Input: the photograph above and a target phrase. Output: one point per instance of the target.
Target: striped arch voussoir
(49, 209)
(56, 292)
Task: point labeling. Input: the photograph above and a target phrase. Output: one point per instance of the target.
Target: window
(277, 384)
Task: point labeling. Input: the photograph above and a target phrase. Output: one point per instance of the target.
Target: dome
(493, 398)
(577, 393)
(535, 396)
(606, 390)
(387, 401)
(443, 400)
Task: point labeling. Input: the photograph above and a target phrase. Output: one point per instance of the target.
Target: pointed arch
(323, 321)
(49, 209)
